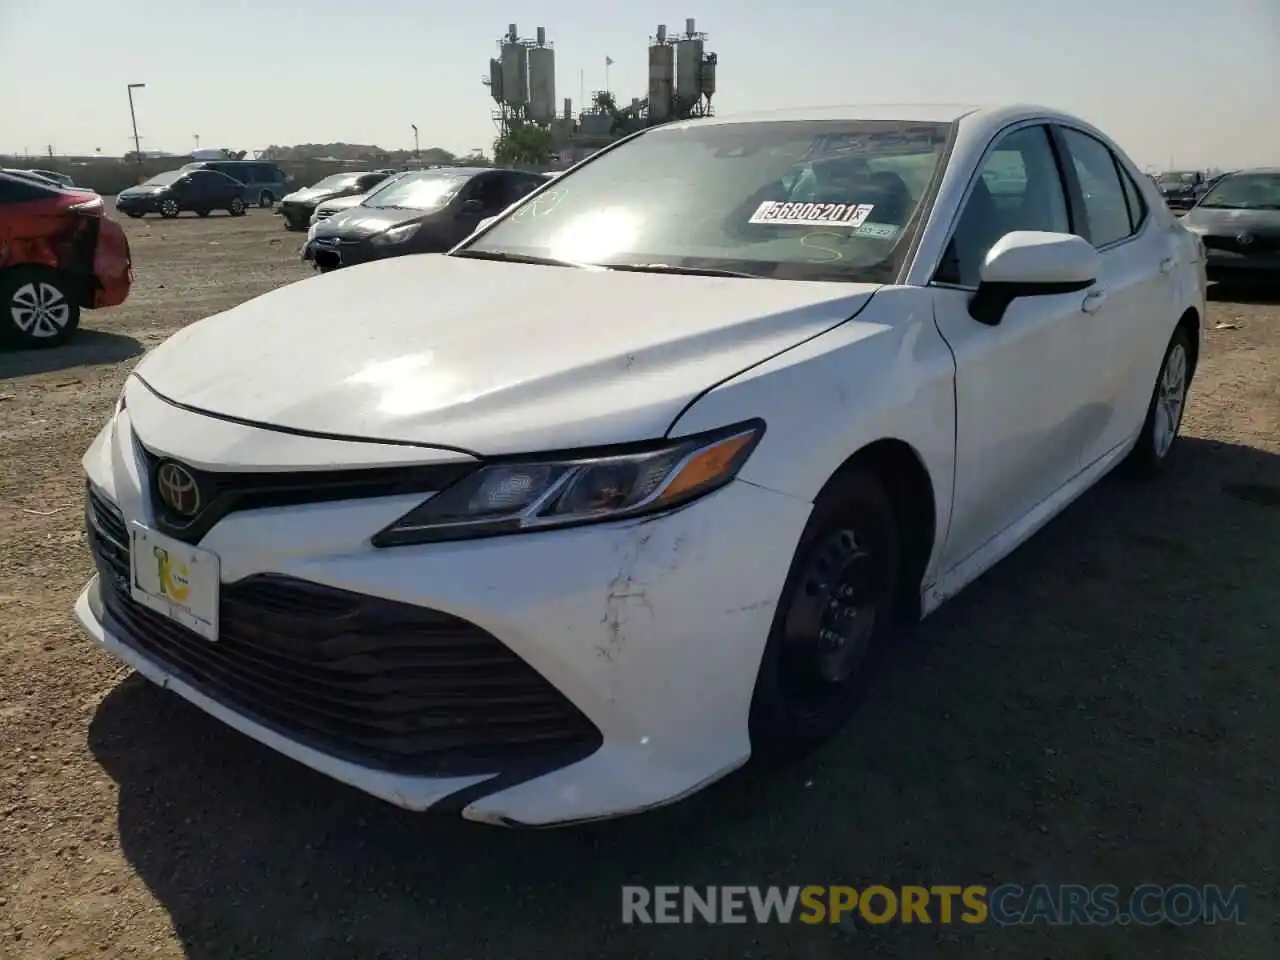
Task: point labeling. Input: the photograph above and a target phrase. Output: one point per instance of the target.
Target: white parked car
(328, 208)
(635, 483)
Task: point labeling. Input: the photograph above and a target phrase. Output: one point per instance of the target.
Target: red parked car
(58, 255)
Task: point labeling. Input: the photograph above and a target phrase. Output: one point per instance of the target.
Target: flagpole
(582, 89)
(607, 61)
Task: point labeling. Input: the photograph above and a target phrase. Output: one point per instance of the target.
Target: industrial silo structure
(542, 80)
(515, 70)
(661, 75)
(495, 79)
(688, 89)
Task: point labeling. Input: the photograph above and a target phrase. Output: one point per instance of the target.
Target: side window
(490, 191)
(1133, 197)
(520, 184)
(1018, 188)
(370, 180)
(1105, 205)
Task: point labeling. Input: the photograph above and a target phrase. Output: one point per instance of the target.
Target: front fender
(886, 374)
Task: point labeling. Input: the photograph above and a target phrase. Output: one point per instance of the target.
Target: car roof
(1273, 171)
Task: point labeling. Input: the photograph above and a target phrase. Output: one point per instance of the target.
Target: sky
(1174, 83)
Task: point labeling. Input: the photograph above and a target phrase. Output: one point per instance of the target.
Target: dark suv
(264, 182)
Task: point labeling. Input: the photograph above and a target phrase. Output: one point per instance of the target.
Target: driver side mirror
(472, 206)
(1031, 263)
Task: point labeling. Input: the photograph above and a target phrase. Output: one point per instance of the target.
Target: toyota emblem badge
(178, 489)
(1244, 239)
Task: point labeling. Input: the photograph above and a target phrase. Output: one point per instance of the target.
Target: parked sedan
(1238, 221)
(1180, 188)
(170, 194)
(58, 255)
(296, 209)
(638, 481)
(423, 212)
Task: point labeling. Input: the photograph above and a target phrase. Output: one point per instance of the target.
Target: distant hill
(360, 153)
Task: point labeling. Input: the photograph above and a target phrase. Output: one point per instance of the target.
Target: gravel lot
(1101, 708)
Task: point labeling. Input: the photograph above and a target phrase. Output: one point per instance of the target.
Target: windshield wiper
(688, 271)
(503, 257)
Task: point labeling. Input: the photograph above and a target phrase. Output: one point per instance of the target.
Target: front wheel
(835, 616)
(40, 307)
(1164, 413)
(236, 209)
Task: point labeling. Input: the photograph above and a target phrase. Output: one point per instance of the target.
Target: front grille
(222, 493)
(1260, 244)
(384, 684)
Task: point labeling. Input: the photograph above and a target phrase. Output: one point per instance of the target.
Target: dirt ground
(1101, 708)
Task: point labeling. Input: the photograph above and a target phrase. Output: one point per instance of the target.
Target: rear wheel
(40, 307)
(236, 207)
(169, 209)
(1164, 413)
(265, 199)
(834, 618)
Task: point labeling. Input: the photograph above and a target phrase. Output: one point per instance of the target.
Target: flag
(608, 61)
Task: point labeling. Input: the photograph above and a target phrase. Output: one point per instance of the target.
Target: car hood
(141, 191)
(311, 195)
(366, 221)
(487, 357)
(345, 203)
(1211, 220)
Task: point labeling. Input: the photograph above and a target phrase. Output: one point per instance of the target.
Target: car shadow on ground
(1265, 294)
(87, 348)
(1094, 710)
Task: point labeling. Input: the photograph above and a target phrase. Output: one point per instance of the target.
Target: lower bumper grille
(383, 684)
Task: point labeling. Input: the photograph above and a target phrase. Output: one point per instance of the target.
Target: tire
(1164, 413)
(169, 209)
(833, 620)
(38, 307)
(266, 200)
(202, 212)
(236, 208)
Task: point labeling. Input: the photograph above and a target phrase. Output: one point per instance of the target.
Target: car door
(1129, 314)
(1021, 409)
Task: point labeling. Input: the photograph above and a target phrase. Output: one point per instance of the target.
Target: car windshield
(1245, 191)
(166, 178)
(416, 191)
(337, 181)
(802, 200)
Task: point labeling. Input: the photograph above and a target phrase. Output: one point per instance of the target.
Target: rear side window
(1133, 197)
(1105, 203)
(370, 180)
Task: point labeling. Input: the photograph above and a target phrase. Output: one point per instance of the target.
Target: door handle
(1094, 301)
(1166, 264)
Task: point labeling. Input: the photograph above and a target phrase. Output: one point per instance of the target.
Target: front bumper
(1242, 265)
(652, 629)
(329, 254)
(139, 204)
(297, 216)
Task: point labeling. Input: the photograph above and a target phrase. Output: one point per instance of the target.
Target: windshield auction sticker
(812, 214)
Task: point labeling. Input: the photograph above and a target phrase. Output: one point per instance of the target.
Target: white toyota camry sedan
(636, 483)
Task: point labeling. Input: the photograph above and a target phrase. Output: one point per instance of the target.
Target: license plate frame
(175, 579)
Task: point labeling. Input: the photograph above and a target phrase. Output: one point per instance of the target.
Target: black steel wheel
(832, 620)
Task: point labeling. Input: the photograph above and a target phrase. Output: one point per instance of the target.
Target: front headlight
(537, 494)
(395, 234)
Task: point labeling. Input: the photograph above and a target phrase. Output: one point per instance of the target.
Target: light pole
(415, 140)
(137, 144)
(197, 136)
